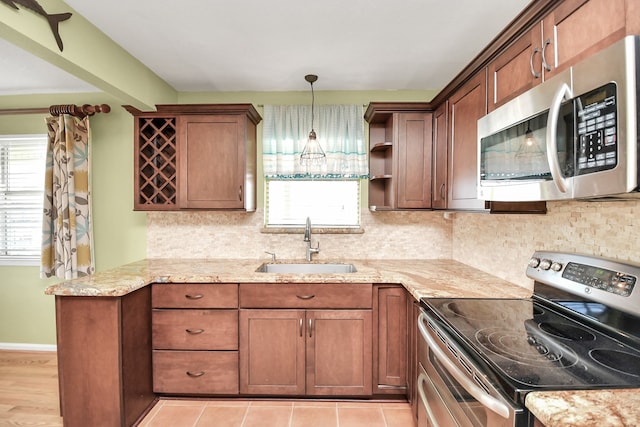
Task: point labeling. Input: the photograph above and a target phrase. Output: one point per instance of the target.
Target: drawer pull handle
(196, 296)
(195, 374)
(306, 296)
(194, 331)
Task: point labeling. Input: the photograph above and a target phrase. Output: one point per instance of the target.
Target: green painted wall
(27, 315)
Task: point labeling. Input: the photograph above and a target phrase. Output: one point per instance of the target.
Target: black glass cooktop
(530, 345)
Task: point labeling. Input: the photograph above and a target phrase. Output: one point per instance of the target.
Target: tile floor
(233, 413)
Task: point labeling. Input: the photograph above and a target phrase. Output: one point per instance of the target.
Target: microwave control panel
(597, 125)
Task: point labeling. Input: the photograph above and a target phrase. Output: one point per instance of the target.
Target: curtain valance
(340, 131)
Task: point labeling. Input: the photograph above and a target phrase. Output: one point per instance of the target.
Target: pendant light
(529, 146)
(312, 154)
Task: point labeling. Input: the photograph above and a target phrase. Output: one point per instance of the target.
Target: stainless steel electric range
(480, 357)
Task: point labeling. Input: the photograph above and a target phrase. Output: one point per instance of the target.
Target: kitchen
(479, 240)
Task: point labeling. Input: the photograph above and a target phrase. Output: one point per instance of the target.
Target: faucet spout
(307, 231)
(307, 238)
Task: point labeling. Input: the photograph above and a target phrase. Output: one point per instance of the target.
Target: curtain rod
(262, 105)
(55, 110)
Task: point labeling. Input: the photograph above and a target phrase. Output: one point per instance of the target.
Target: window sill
(319, 230)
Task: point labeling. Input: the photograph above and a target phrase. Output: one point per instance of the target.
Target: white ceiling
(257, 45)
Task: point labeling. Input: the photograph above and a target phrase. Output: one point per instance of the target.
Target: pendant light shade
(312, 154)
(529, 146)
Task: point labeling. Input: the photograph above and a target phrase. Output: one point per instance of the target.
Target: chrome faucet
(307, 239)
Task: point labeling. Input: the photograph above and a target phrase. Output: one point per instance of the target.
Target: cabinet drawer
(195, 329)
(195, 295)
(195, 372)
(305, 295)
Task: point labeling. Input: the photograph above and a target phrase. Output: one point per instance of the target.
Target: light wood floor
(29, 397)
(29, 389)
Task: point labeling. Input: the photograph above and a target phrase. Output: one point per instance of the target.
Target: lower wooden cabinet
(195, 372)
(306, 352)
(390, 341)
(289, 339)
(194, 335)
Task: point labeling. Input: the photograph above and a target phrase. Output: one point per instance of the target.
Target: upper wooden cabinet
(400, 142)
(572, 31)
(440, 158)
(195, 156)
(466, 106)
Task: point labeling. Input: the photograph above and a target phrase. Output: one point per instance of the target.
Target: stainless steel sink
(301, 268)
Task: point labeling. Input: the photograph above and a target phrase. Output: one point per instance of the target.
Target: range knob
(545, 264)
(556, 266)
(534, 262)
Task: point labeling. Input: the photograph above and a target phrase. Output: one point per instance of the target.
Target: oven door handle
(422, 380)
(479, 394)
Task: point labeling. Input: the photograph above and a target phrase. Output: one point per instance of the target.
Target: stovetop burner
(567, 332)
(617, 360)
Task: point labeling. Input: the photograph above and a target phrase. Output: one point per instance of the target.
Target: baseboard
(27, 347)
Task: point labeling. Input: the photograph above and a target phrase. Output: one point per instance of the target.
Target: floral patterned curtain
(67, 237)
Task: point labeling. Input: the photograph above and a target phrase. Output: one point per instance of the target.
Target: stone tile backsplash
(387, 235)
(498, 244)
(503, 244)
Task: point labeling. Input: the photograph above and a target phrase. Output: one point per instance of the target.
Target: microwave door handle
(562, 94)
(479, 394)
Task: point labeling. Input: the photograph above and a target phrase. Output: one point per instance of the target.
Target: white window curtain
(340, 131)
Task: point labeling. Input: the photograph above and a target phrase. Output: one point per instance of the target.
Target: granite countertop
(586, 408)
(422, 278)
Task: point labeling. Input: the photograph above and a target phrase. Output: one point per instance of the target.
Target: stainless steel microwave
(574, 136)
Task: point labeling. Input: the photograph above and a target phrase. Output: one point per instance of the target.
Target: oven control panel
(603, 280)
(608, 280)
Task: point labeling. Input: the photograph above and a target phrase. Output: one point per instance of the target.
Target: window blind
(328, 203)
(22, 168)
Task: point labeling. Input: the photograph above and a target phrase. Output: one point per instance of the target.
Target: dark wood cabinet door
(339, 359)
(212, 155)
(414, 143)
(390, 340)
(272, 352)
(517, 69)
(440, 158)
(466, 106)
(578, 28)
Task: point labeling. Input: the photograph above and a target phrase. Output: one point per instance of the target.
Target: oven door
(452, 388)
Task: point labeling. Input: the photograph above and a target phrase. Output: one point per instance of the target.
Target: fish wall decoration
(54, 19)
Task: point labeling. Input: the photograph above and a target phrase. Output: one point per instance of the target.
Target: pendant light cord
(313, 103)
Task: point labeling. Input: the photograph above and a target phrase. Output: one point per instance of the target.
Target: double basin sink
(302, 268)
